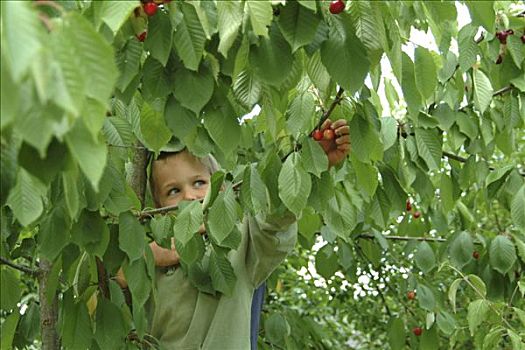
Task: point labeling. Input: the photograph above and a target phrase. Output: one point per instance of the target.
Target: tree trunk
(138, 177)
(48, 311)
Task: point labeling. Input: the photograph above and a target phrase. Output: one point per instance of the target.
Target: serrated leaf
(425, 72)
(368, 23)
(502, 254)
(247, 88)
(261, 16)
(189, 37)
(25, 199)
(517, 208)
(408, 86)
(193, 89)
(153, 128)
(468, 48)
(11, 290)
(446, 322)
(452, 291)
(301, 113)
(478, 284)
(482, 13)
(350, 75)
(313, 158)
(115, 13)
(160, 37)
(110, 325)
(131, 236)
(425, 258)
(222, 215)
(298, 24)
(294, 184)
(366, 141)
(429, 146)
(426, 297)
(477, 313)
(76, 324)
(222, 275)
(230, 15)
(223, 128)
(90, 154)
(367, 176)
(482, 91)
(461, 249)
(272, 60)
(188, 221)
(161, 227)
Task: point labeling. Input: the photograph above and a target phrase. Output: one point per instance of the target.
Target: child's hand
(337, 148)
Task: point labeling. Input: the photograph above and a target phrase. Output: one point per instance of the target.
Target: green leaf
(153, 128)
(453, 291)
(482, 91)
(294, 184)
(426, 297)
(313, 158)
(478, 284)
(131, 236)
(115, 13)
(261, 16)
(408, 86)
(425, 258)
(477, 313)
(272, 60)
(155, 81)
(110, 325)
(9, 326)
(366, 140)
(446, 322)
(301, 113)
(368, 23)
(254, 194)
(72, 185)
(502, 254)
(388, 132)
(461, 249)
(20, 24)
(128, 62)
(298, 25)
(482, 12)
(194, 89)
(277, 329)
(10, 287)
(222, 215)
(326, 261)
(160, 37)
(247, 88)
(223, 128)
(468, 48)
(25, 199)
(76, 324)
(138, 279)
(350, 75)
(189, 37)
(515, 47)
(222, 275)
(91, 233)
(397, 334)
(161, 227)
(425, 72)
(188, 221)
(367, 176)
(230, 15)
(517, 208)
(429, 146)
(90, 154)
(54, 232)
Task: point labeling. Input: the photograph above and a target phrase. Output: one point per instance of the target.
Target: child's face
(179, 177)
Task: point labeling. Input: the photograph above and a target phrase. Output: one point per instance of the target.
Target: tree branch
(337, 100)
(410, 238)
(24, 269)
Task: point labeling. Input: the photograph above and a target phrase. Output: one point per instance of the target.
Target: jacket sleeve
(270, 240)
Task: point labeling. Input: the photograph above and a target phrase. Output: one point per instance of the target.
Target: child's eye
(173, 191)
(199, 183)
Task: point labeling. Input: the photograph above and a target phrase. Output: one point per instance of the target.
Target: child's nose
(190, 195)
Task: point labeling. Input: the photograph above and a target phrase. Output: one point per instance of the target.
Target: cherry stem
(327, 113)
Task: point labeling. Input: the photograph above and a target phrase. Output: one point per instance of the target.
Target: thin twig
(337, 100)
(25, 269)
(127, 146)
(410, 238)
(50, 3)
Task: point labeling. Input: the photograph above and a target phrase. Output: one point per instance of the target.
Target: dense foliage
(417, 240)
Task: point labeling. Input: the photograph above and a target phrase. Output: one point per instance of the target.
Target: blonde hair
(208, 161)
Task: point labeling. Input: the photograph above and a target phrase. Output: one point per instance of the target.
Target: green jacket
(184, 318)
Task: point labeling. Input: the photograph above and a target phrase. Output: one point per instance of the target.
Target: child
(183, 317)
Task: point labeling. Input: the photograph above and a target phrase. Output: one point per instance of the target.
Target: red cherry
(142, 36)
(317, 135)
(150, 8)
(499, 60)
(417, 215)
(329, 134)
(475, 254)
(523, 38)
(409, 205)
(337, 7)
(411, 295)
(502, 36)
(417, 331)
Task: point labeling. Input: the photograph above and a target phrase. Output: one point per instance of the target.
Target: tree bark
(48, 311)
(138, 177)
